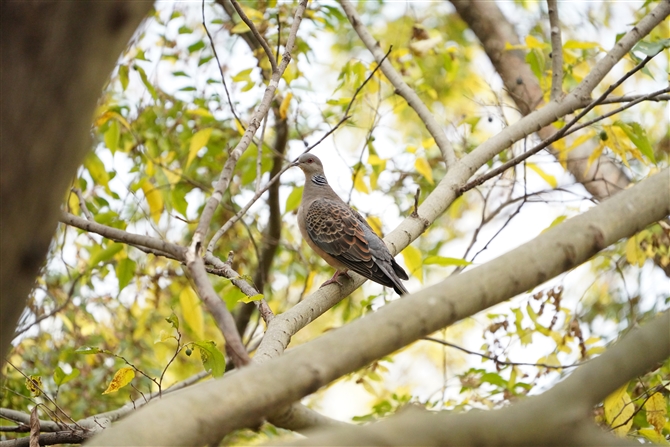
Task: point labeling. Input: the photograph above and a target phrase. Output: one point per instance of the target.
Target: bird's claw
(335, 279)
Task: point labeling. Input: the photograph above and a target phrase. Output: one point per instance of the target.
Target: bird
(340, 235)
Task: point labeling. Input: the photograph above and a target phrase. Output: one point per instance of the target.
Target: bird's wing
(343, 234)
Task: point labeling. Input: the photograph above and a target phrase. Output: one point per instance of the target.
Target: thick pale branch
(404, 90)
(253, 391)
(284, 326)
(560, 416)
(492, 29)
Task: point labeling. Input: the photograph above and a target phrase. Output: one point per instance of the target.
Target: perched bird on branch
(340, 235)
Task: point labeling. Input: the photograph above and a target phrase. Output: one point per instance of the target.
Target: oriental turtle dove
(340, 235)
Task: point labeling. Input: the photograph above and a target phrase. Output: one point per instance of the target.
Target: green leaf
(443, 261)
(112, 135)
(184, 30)
(105, 254)
(199, 45)
(651, 48)
(639, 138)
(88, 350)
(293, 200)
(123, 76)
(60, 378)
(125, 271)
(212, 359)
(180, 73)
(243, 75)
(173, 320)
(145, 81)
(179, 199)
(96, 168)
(198, 141)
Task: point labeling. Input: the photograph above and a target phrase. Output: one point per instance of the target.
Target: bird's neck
(319, 180)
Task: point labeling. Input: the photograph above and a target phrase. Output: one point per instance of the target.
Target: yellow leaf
(412, 257)
(422, 167)
(96, 168)
(376, 224)
(154, 199)
(532, 42)
(283, 108)
(121, 379)
(198, 141)
(34, 385)
(546, 177)
(656, 410)
(411, 149)
(359, 182)
(190, 309)
(428, 143)
(239, 127)
(653, 436)
(374, 160)
(594, 156)
(173, 176)
(634, 255)
(619, 409)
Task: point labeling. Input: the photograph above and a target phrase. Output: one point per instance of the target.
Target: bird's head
(310, 165)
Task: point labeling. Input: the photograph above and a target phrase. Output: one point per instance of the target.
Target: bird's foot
(335, 279)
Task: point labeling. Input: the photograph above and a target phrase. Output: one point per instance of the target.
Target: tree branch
(253, 391)
(245, 141)
(401, 88)
(558, 417)
(556, 136)
(556, 51)
(261, 40)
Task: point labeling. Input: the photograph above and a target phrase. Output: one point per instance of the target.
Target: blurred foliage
(106, 316)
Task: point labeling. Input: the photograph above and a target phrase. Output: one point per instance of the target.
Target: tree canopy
(514, 156)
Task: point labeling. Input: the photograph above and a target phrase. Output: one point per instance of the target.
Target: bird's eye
(310, 160)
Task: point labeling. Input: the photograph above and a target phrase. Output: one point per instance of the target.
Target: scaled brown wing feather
(343, 234)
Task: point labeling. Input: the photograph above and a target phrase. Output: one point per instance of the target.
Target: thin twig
(401, 88)
(556, 51)
(502, 362)
(650, 96)
(221, 231)
(263, 108)
(82, 204)
(557, 136)
(257, 35)
(218, 63)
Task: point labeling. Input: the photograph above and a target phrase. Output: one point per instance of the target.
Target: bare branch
(404, 90)
(555, 137)
(174, 250)
(217, 307)
(320, 361)
(245, 141)
(557, 417)
(221, 231)
(259, 38)
(82, 204)
(556, 51)
(497, 361)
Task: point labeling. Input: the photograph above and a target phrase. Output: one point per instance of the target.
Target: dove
(340, 235)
